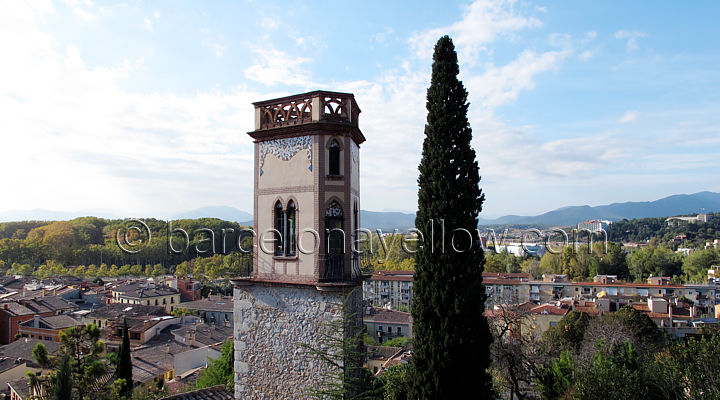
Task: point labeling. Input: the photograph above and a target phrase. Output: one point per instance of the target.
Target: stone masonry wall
(271, 323)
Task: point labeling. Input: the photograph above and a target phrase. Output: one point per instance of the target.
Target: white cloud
(632, 38)
(83, 142)
(268, 23)
(147, 23)
(483, 21)
(381, 37)
(629, 116)
(500, 85)
(83, 14)
(304, 41)
(275, 67)
(586, 55)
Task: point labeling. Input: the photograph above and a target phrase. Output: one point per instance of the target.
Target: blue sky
(143, 108)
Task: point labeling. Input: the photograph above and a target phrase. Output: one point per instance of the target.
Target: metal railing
(334, 267)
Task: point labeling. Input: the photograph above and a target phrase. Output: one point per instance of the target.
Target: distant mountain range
(669, 206)
(222, 212)
(672, 205)
(388, 221)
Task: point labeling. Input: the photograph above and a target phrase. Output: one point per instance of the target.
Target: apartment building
(389, 289)
(146, 293)
(394, 288)
(384, 324)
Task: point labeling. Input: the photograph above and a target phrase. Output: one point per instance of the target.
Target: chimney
(692, 312)
(5, 306)
(670, 313)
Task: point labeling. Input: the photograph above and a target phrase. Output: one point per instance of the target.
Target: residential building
(154, 361)
(508, 288)
(503, 288)
(12, 314)
(528, 319)
(146, 293)
(47, 328)
(20, 389)
(389, 289)
(141, 329)
(189, 290)
(376, 356)
(195, 358)
(594, 225)
(12, 369)
(104, 316)
(383, 324)
(199, 335)
(213, 309)
(22, 349)
(700, 218)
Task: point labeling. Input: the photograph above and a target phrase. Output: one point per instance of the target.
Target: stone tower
(306, 212)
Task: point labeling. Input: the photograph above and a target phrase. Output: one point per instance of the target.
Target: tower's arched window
(334, 157)
(334, 228)
(279, 228)
(334, 242)
(290, 227)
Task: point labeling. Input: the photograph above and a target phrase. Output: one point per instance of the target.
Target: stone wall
(272, 322)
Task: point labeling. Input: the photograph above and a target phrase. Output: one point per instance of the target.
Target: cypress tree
(124, 369)
(452, 337)
(63, 380)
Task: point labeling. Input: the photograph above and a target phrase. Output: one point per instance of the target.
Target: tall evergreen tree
(452, 337)
(63, 380)
(124, 369)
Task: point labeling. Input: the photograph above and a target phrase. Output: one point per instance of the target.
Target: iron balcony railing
(334, 267)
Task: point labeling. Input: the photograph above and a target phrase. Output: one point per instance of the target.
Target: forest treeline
(582, 263)
(88, 247)
(659, 232)
(91, 244)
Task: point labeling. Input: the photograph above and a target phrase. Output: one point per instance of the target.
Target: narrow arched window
(334, 157)
(279, 228)
(290, 226)
(334, 228)
(334, 242)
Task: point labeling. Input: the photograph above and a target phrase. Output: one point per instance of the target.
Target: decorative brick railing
(305, 108)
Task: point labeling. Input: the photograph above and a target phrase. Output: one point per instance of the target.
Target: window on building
(290, 229)
(389, 329)
(334, 226)
(334, 157)
(279, 228)
(172, 300)
(399, 330)
(156, 302)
